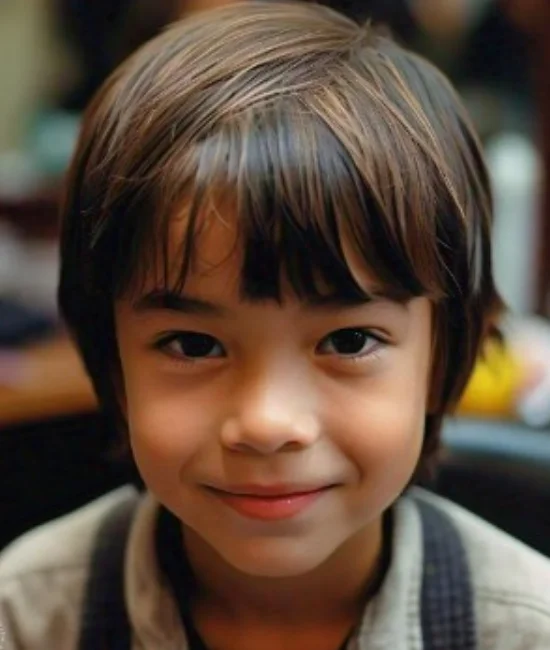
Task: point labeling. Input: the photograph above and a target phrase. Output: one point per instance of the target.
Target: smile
(267, 504)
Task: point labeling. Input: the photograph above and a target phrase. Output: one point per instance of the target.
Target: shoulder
(62, 544)
(511, 582)
(43, 575)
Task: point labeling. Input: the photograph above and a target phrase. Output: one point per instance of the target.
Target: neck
(333, 592)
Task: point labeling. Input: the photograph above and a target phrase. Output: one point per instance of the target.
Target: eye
(350, 342)
(191, 346)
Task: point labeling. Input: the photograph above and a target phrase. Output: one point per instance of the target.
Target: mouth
(270, 503)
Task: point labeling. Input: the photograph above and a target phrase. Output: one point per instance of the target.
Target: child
(276, 264)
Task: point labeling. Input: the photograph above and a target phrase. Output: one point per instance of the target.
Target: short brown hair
(321, 131)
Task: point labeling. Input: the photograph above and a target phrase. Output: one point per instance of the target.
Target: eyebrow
(165, 300)
(340, 301)
(177, 302)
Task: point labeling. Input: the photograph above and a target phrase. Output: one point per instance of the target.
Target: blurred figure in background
(104, 32)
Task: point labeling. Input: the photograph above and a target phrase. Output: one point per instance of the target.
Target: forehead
(216, 238)
(219, 263)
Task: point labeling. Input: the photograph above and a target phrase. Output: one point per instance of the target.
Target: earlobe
(434, 399)
(435, 382)
(117, 379)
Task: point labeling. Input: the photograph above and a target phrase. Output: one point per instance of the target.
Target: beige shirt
(44, 573)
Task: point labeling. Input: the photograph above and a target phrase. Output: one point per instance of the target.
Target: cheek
(382, 427)
(385, 437)
(167, 425)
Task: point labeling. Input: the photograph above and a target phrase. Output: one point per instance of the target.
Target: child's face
(276, 432)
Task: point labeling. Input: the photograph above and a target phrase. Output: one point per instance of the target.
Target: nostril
(265, 435)
(307, 426)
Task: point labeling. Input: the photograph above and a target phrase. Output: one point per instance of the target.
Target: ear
(433, 403)
(117, 379)
(435, 376)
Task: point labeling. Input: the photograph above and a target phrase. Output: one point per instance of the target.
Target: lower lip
(270, 508)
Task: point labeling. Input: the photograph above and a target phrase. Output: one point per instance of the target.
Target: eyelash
(163, 343)
(372, 342)
(378, 342)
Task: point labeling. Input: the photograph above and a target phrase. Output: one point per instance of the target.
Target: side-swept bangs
(298, 204)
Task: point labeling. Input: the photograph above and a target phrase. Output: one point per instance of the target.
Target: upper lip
(278, 490)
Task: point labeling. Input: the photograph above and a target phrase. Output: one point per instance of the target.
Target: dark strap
(105, 623)
(447, 615)
(448, 621)
(177, 572)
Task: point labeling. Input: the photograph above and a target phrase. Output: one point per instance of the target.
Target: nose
(274, 413)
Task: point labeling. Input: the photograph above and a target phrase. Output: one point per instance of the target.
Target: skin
(529, 15)
(446, 19)
(187, 6)
(275, 401)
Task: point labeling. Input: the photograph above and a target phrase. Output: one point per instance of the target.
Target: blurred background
(54, 445)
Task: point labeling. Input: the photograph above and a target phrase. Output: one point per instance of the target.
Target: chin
(273, 558)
